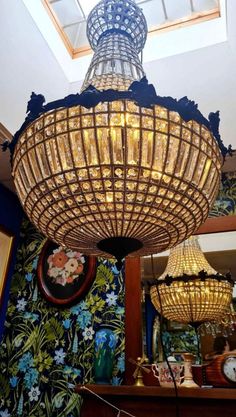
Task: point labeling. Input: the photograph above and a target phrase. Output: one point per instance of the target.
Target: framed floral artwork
(6, 245)
(64, 275)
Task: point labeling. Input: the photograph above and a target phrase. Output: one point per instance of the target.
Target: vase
(105, 344)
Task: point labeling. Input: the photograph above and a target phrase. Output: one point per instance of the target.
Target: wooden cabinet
(157, 401)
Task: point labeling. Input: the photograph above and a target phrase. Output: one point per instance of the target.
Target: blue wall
(10, 217)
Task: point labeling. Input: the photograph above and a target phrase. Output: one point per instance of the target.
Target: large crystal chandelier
(117, 169)
(190, 290)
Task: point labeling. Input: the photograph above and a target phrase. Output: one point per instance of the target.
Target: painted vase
(105, 344)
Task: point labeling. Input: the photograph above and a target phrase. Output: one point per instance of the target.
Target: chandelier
(117, 169)
(225, 326)
(190, 290)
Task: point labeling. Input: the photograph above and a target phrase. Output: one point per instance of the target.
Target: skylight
(172, 29)
(87, 5)
(70, 17)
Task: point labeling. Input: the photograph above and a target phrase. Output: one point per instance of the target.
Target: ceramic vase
(105, 344)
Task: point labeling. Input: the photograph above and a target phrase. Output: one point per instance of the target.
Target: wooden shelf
(152, 391)
(153, 401)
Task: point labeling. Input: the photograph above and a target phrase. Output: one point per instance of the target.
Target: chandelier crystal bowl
(117, 169)
(190, 290)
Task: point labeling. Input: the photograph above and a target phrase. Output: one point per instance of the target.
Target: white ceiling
(27, 63)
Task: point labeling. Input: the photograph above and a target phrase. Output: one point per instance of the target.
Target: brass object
(157, 351)
(138, 376)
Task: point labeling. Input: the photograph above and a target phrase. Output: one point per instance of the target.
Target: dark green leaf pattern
(46, 351)
(225, 203)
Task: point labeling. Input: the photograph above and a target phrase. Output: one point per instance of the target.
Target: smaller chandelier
(190, 290)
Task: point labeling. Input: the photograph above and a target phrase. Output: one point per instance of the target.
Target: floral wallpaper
(180, 341)
(225, 203)
(45, 350)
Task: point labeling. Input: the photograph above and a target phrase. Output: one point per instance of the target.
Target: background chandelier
(117, 169)
(225, 326)
(190, 290)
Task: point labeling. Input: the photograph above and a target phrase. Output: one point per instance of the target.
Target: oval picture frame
(64, 276)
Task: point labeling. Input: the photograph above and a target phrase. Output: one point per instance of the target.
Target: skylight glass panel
(67, 11)
(87, 5)
(69, 16)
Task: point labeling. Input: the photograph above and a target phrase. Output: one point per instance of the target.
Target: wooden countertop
(155, 391)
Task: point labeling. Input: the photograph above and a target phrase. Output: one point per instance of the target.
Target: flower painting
(64, 275)
(65, 266)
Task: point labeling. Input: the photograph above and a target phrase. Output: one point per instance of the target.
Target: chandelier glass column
(117, 169)
(190, 290)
